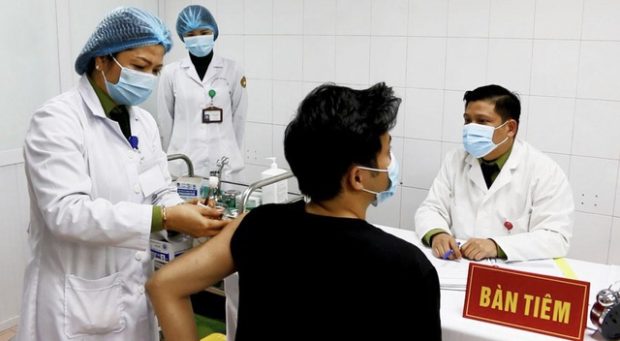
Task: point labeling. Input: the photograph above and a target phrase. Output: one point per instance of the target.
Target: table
(457, 328)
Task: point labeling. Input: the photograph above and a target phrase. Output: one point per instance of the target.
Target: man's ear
(513, 126)
(354, 178)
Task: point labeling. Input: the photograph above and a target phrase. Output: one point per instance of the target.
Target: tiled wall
(560, 55)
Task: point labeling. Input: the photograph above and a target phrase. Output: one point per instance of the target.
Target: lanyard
(211, 92)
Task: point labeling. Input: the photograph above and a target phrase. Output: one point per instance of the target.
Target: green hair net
(124, 28)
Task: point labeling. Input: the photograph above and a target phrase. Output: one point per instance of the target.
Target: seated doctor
(306, 265)
(500, 195)
(99, 185)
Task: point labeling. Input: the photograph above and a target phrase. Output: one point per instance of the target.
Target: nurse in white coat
(99, 185)
(202, 100)
(500, 195)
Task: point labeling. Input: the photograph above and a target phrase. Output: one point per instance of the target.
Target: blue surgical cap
(195, 17)
(124, 28)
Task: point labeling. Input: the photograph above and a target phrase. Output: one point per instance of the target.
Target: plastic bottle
(277, 192)
(212, 198)
(211, 194)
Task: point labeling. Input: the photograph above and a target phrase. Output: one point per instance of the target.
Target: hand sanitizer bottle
(277, 192)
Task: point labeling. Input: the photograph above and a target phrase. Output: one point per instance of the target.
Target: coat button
(141, 289)
(136, 188)
(140, 255)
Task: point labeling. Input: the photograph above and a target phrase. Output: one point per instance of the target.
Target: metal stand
(188, 162)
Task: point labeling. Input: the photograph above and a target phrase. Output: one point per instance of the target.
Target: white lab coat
(91, 197)
(531, 192)
(181, 98)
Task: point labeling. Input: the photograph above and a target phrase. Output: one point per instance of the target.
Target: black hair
(91, 63)
(507, 103)
(336, 127)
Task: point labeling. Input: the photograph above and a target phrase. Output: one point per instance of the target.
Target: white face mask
(133, 87)
(478, 139)
(392, 170)
(199, 46)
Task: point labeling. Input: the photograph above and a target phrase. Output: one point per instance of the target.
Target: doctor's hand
(195, 220)
(479, 248)
(445, 246)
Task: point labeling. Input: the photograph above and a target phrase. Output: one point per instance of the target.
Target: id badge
(212, 115)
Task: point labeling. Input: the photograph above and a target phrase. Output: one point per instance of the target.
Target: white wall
(36, 64)
(561, 55)
(29, 69)
(13, 245)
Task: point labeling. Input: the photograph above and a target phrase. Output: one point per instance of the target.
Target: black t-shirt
(309, 277)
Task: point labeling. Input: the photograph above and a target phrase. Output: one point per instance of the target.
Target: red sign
(544, 304)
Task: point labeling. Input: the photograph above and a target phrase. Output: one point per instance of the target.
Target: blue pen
(448, 253)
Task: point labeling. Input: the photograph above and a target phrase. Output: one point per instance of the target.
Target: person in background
(317, 269)
(502, 196)
(99, 185)
(202, 109)
(202, 100)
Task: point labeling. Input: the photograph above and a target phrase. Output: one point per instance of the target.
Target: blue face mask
(133, 87)
(392, 171)
(199, 46)
(478, 139)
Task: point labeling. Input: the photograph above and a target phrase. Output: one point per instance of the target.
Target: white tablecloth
(453, 275)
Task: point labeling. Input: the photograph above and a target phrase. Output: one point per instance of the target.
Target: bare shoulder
(228, 231)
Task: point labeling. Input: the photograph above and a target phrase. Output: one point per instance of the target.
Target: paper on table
(452, 273)
(543, 266)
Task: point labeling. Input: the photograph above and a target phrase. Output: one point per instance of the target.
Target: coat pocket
(93, 306)
(152, 180)
(522, 224)
(515, 225)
